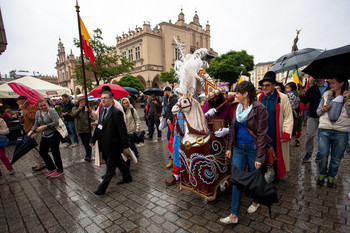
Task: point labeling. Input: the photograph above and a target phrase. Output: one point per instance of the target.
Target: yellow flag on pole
(296, 78)
(240, 78)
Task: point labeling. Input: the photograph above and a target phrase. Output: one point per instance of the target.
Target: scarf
(242, 115)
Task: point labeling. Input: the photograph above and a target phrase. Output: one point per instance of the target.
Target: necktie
(104, 114)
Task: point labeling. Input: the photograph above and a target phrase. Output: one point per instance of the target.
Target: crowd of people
(249, 121)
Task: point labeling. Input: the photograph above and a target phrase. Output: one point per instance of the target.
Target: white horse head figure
(195, 122)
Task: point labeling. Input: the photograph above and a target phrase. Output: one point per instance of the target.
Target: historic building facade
(154, 50)
(64, 66)
(260, 70)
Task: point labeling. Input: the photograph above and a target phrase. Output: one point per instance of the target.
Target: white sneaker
(74, 144)
(253, 209)
(229, 220)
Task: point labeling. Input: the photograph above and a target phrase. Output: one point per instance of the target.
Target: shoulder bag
(270, 152)
(61, 127)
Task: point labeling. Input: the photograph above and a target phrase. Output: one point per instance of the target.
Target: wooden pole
(83, 67)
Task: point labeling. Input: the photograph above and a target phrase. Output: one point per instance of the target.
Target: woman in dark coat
(243, 147)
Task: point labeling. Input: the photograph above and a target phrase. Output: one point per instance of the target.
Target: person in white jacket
(132, 121)
(333, 131)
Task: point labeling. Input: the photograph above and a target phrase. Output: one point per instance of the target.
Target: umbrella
(118, 91)
(295, 60)
(23, 146)
(132, 91)
(331, 63)
(92, 98)
(156, 91)
(254, 185)
(138, 136)
(21, 89)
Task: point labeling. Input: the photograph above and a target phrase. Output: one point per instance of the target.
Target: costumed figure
(203, 166)
(177, 132)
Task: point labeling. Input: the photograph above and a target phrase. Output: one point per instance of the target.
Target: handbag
(270, 152)
(61, 127)
(3, 141)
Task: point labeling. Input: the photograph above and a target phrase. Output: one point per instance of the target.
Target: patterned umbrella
(21, 89)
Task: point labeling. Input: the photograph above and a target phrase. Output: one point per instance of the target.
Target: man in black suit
(112, 139)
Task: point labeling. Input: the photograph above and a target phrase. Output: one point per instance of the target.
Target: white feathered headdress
(187, 67)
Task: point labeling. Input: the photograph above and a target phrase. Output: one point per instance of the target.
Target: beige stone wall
(158, 47)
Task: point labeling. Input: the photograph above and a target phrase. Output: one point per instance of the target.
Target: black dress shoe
(87, 159)
(124, 181)
(99, 192)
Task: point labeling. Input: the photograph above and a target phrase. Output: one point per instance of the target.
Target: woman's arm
(137, 120)
(261, 134)
(53, 115)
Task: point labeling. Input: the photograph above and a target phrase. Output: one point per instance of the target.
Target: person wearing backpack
(132, 122)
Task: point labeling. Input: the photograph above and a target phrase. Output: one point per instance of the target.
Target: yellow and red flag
(85, 36)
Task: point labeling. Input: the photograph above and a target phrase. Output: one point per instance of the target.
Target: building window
(131, 55)
(263, 70)
(137, 53)
(177, 54)
(258, 70)
(124, 54)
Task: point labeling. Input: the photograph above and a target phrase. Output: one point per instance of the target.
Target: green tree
(108, 65)
(78, 74)
(229, 66)
(169, 76)
(131, 81)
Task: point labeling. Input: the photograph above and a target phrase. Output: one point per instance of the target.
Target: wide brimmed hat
(105, 88)
(269, 76)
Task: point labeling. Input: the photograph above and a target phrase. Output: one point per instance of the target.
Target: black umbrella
(254, 185)
(138, 136)
(295, 60)
(131, 91)
(156, 91)
(23, 146)
(331, 63)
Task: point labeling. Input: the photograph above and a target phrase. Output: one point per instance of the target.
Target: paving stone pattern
(32, 203)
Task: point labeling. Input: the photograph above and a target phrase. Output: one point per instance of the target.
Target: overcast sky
(265, 28)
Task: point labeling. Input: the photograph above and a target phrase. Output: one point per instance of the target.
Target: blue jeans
(71, 128)
(134, 148)
(242, 154)
(333, 140)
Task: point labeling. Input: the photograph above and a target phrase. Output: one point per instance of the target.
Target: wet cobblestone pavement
(32, 203)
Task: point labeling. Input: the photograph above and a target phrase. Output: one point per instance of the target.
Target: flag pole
(83, 68)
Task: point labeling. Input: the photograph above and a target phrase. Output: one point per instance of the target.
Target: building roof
(264, 63)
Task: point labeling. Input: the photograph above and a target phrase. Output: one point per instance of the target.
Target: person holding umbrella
(3, 131)
(46, 119)
(333, 132)
(82, 125)
(28, 119)
(243, 148)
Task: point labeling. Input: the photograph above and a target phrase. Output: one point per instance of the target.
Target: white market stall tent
(44, 88)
